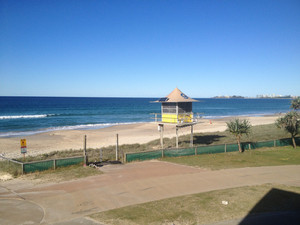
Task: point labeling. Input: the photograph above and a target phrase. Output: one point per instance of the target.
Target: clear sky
(145, 48)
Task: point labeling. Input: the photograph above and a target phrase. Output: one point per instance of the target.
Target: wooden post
(125, 157)
(225, 148)
(54, 164)
(161, 130)
(176, 137)
(192, 137)
(162, 153)
(274, 143)
(117, 147)
(249, 146)
(84, 151)
(22, 168)
(101, 155)
(195, 151)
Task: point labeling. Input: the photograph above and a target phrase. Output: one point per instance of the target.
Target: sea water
(21, 116)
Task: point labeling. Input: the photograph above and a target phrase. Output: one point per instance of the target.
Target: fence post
(22, 168)
(162, 153)
(196, 151)
(161, 130)
(54, 164)
(249, 146)
(101, 155)
(192, 137)
(225, 147)
(125, 157)
(176, 137)
(274, 143)
(84, 151)
(117, 147)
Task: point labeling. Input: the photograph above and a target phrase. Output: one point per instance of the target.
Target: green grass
(11, 168)
(206, 207)
(52, 155)
(62, 174)
(250, 158)
(258, 133)
(59, 174)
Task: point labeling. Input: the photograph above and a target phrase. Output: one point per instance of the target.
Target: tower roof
(176, 96)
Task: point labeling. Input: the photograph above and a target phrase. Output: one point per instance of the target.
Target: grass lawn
(250, 158)
(203, 208)
(62, 174)
(206, 207)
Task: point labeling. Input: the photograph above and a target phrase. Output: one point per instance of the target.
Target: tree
(238, 128)
(295, 104)
(290, 123)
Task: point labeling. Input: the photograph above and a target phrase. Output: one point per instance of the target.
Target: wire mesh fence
(178, 152)
(51, 164)
(140, 156)
(67, 161)
(15, 167)
(38, 166)
(210, 149)
(95, 155)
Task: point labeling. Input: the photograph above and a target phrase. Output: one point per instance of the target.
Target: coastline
(140, 133)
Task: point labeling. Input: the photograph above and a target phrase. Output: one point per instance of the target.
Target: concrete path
(129, 184)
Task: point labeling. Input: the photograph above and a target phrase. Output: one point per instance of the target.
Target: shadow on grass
(205, 140)
(276, 207)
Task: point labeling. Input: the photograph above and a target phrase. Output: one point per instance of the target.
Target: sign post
(23, 147)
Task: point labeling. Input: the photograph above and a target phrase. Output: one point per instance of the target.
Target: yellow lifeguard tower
(176, 108)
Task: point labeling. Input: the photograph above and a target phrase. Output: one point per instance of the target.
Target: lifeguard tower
(176, 109)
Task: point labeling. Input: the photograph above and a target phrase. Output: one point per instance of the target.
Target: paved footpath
(123, 185)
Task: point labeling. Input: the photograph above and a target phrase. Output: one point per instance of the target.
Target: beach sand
(128, 134)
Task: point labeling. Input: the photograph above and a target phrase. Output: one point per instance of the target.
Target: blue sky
(142, 48)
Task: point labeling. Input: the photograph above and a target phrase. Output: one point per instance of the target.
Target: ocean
(21, 116)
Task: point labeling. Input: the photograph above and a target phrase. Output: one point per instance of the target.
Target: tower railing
(157, 117)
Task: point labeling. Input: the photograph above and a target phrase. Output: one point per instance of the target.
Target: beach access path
(128, 134)
(123, 185)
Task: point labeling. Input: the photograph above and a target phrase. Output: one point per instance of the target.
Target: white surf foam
(25, 116)
(75, 127)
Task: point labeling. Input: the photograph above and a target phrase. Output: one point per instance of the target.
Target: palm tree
(295, 103)
(290, 123)
(239, 127)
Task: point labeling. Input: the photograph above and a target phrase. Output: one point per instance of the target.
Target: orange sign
(23, 143)
(23, 146)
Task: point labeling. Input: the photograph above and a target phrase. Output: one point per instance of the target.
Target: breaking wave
(75, 127)
(25, 116)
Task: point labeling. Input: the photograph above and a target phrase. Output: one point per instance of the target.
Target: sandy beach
(128, 134)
